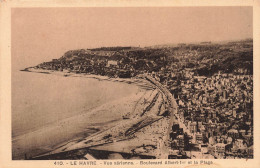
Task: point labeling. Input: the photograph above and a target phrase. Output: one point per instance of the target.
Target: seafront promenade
(172, 110)
(145, 132)
(175, 118)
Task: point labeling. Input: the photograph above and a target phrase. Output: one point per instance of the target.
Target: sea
(39, 99)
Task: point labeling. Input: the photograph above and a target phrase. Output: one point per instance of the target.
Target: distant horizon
(188, 43)
(192, 42)
(41, 34)
(199, 42)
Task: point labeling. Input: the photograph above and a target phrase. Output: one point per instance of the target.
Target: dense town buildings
(212, 85)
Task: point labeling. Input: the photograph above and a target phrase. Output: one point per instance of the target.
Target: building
(111, 63)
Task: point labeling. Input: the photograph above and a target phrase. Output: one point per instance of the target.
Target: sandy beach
(143, 129)
(74, 126)
(133, 122)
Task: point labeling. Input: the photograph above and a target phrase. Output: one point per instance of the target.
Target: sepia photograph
(132, 83)
(129, 85)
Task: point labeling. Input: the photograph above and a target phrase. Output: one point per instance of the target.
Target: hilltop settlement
(212, 84)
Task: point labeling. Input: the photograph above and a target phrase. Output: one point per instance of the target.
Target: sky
(41, 34)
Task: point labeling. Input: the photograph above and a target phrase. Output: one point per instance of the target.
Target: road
(172, 108)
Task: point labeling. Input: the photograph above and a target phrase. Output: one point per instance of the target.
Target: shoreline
(150, 118)
(129, 124)
(84, 75)
(138, 80)
(85, 124)
(82, 128)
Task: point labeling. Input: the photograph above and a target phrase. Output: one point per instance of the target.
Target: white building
(111, 62)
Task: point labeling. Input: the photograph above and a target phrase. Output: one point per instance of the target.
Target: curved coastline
(21, 142)
(84, 75)
(162, 152)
